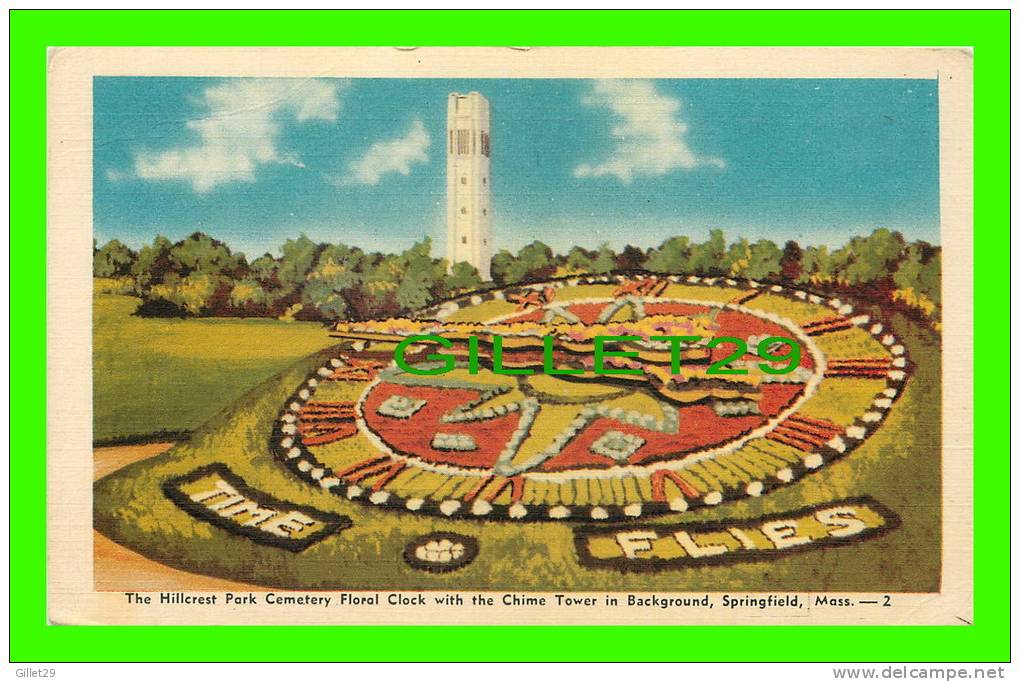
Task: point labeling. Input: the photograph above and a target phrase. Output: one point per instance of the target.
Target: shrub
(113, 285)
(202, 276)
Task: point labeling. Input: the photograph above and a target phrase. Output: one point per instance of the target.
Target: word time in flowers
(213, 493)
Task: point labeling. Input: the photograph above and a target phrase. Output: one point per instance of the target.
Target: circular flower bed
(540, 447)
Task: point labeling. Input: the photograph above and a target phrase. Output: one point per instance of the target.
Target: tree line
(202, 276)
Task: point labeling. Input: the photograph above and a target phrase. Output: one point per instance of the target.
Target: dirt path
(117, 568)
(106, 460)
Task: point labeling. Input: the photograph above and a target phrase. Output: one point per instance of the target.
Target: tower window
(485, 211)
(485, 242)
(485, 144)
(463, 210)
(485, 180)
(463, 141)
(463, 240)
(463, 179)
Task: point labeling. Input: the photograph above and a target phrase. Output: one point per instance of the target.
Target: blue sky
(255, 161)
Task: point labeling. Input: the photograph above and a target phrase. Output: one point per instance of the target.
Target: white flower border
(291, 452)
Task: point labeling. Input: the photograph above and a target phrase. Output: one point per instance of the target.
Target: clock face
(598, 447)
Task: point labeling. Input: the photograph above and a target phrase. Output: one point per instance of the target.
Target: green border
(31, 639)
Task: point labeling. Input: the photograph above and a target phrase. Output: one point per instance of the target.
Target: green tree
(192, 295)
(114, 259)
(414, 292)
(929, 280)
(297, 259)
(921, 270)
(533, 262)
(153, 263)
(869, 259)
(605, 260)
(765, 261)
(422, 277)
(264, 270)
(500, 266)
(738, 258)
(335, 280)
(579, 260)
(247, 295)
(816, 265)
(463, 277)
(376, 297)
(709, 258)
(672, 256)
(200, 253)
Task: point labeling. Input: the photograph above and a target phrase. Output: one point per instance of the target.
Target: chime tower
(468, 182)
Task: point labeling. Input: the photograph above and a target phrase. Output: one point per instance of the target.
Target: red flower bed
(413, 436)
(700, 426)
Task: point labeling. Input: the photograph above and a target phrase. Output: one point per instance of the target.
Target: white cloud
(241, 129)
(389, 156)
(650, 136)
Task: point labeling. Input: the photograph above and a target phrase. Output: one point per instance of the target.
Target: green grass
(167, 376)
(899, 466)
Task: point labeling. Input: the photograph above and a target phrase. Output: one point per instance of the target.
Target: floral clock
(539, 447)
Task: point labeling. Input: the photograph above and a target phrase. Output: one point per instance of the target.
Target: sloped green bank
(166, 376)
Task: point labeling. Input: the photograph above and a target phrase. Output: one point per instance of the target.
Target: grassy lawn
(899, 466)
(155, 376)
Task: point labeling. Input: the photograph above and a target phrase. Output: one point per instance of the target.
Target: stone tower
(468, 183)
